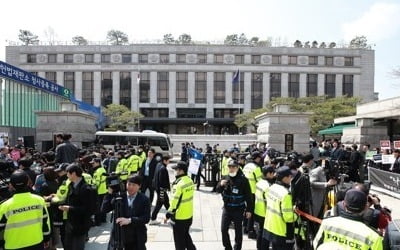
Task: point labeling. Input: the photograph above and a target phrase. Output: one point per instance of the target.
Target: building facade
(188, 88)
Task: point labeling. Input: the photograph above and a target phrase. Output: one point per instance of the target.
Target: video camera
(114, 182)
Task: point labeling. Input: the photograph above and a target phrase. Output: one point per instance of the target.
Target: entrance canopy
(336, 129)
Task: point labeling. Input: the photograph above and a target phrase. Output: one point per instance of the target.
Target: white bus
(159, 141)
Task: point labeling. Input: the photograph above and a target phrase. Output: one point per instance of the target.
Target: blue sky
(211, 20)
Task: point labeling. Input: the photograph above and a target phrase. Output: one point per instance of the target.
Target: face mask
(232, 174)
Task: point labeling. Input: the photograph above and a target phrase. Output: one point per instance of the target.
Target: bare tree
(168, 39)
(50, 35)
(117, 37)
(27, 37)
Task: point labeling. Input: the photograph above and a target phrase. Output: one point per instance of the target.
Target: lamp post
(138, 99)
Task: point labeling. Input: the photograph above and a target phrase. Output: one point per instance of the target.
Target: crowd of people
(297, 200)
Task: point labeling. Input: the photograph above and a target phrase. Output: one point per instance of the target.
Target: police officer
(122, 166)
(181, 208)
(252, 171)
(224, 164)
(133, 162)
(99, 180)
(347, 229)
(280, 215)
(238, 200)
(24, 217)
(260, 205)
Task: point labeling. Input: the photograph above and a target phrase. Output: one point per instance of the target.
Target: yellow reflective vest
(224, 166)
(279, 210)
(99, 179)
(142, 157)
(122, 169)
(253, 173)
(350, 234)
(88, 178)
(260, 205)
(25, 219)
(182, 198)
(133, 164)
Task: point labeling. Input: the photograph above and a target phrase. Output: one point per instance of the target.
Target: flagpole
(138, 96)
(239, 101)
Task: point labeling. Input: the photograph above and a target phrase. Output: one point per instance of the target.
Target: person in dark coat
(161, 185)
(135, 214)
(66, 152)
(25, 164)
(77, 206)
(147, 173)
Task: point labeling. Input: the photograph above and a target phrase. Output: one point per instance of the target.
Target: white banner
(194, 165)
(387, 159)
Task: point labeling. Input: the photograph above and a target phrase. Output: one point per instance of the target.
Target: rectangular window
(294, 83)
(190, 113)
(256, 90)
(313, 60)
(51, 76)
(181, 87)
(52, 58)
(68, 58)
(155, 113)
(162, 87)
(200, 87)
(144, 87)
(164, 58)
(218, 59)
(348, 61)
(239, 59)
(348, 85)
(69, 81)
(89, 58)
(126, 58)
(143, 58)
(106, 88)
(31, 58)
(219, 87)
(289, 142)
(328, 60)
(105, 58)
(330, 85)
(201, 58)
(180, 58)
(235, 90)
(225, 113)
(276, 59)
(255, 59)
(87, 87)
(312, 85)
(292, 60)
(275, 85)
(125, 89)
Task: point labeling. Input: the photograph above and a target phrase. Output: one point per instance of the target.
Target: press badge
(235, 191)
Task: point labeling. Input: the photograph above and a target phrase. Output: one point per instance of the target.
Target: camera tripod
(118, 238)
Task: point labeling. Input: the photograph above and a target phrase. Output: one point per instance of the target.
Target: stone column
(210, 95)
(172, 94)
(97, 88)
(321, 84)
(228, 87)
(60, 78)
(285, 85)
(191, 88)
(339, 84)
(78, 85)
(356, 85)
(266, 88)
(135, 91)
(153, 87)
(303, 85)
(116, 86)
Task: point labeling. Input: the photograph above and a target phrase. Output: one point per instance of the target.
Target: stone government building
(184, 87)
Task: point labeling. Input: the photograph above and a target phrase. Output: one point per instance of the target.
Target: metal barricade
(212, 169)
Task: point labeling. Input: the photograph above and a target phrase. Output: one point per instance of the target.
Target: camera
(113, 181)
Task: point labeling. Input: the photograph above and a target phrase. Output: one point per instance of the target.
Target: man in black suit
(161, 185)
(147, 173)
(135, 214)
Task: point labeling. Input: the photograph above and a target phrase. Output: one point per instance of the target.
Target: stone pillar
(116, 86)
(60, 78)
(191, 87)
(356, 85)
(285, 85)
(135, 91)
(339, 84)
(42, 74)
(78, 85)
(266, 88)
(303, 85)
(321, 84)
(247, 92)
(153, 87)
(172, 95)
(228, 87)
(97, 88)
(210, 95)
